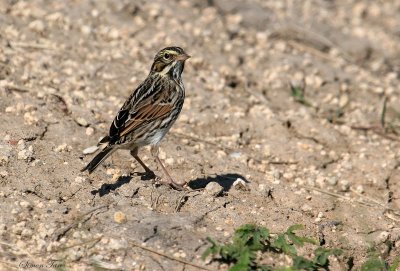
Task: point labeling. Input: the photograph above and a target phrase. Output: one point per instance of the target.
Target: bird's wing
(147, 103)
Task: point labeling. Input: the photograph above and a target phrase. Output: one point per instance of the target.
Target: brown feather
(146, 113)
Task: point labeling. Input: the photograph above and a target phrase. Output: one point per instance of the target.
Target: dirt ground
(331, 158)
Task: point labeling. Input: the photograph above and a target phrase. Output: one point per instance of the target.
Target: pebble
(235, 155)
(213, 189)
(80, 179)
(221, 154)
(81, 121)
(26, 154)
(320, 180)
(37, 26)
(170, 161)
(306, 208)
(360, 189)
(119, 217)
(90, 150)
(89, 131)
(3, 173)
(240, 184)
(26, 232)
(381, 237)
(179, 254)
(5, 153)
(332, 181)
(25, 204)
(31, 118)
(116, 244)
(288, 176)
(76, 235)
(262, 187)
(162, 154)
(344, 185)
(63, 148)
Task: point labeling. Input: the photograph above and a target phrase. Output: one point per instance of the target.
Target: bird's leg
(154, 152)
(148, 171)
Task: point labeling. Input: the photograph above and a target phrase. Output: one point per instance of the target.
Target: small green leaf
(300, 263)
(322, 254)
(395, 264)
(243, 262)
(267, 268)
(298, 240)
(298, 95)
(294, 227)
(281, 244)
(214, 249)
(373, 264)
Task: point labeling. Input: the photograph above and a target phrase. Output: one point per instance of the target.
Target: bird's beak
(182, 57)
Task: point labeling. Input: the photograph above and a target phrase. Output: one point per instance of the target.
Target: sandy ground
(67, 66)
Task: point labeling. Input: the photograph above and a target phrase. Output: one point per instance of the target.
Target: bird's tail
(100, 157)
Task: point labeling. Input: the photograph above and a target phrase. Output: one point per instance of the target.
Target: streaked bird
(149, 112)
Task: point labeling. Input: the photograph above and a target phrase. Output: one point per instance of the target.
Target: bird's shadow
(106, 188)
(225, 180)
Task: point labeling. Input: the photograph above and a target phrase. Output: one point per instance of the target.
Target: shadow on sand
(106, 188)
(225, 180)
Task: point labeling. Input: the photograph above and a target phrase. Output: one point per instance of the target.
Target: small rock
(235, 154)
(288, 176)
(117, 244)
(79, 179)
(262, 187)
(21, 144)
(90, 150)
(3, 173)
(26, 232)
(26, 154)
(63, 148)
(3, 160)
(31, 118)
(89, 131)
(170, 161)
(332, 181)
(81, 122)
(119, 217)
(25, 204)
(379, 238)
(213, 189)
(240, 184)
(10, 109)
(306, 208)
(360, 189)
(85, 29)
(344, 185)
(37, 26)
(320, 180)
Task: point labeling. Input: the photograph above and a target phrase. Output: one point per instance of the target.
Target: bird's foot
(171, 183)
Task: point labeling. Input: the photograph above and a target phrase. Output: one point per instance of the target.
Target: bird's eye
(167, 56)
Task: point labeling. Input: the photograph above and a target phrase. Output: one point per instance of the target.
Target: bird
(148, 113)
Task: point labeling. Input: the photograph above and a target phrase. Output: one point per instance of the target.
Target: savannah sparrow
(149, 112)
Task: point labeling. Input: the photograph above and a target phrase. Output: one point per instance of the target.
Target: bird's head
(170, 61)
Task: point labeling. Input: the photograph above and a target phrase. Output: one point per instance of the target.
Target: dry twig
(74, 224)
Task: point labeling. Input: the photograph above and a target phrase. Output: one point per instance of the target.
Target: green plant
(376, 264)
(298, 95)
(248, 240)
